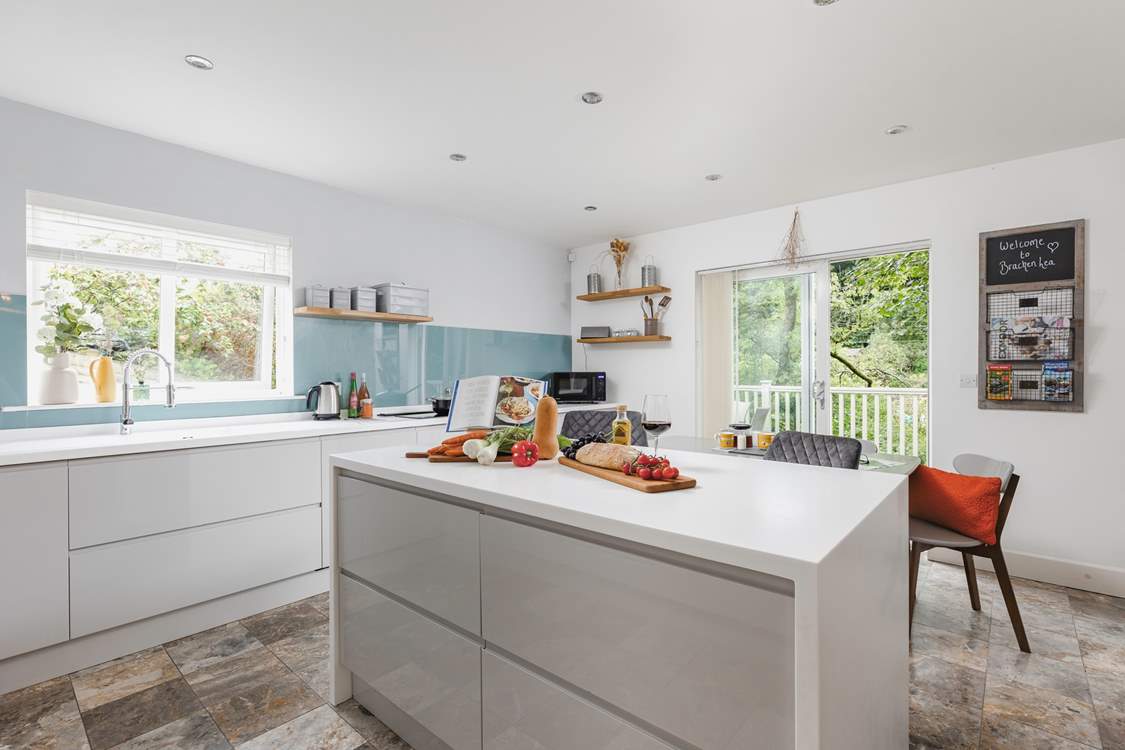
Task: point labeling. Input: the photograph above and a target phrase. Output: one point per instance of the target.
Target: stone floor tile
(1039, 671)
(320, 601)
(1036, 616)
(125, 718)
(1102, 642)
(1094, 605)
(959, 649)
(959, 619)
(251, 693)
(1111, 724)
(956, 684)
(284, 622)
(1048, 643)
(937, 723)
(203, 649)
(999, 733)
(319, 729)
(378, 735)
(305, 648)
(196, 731)
(44, 715)
(1042, 709)
(122, 677)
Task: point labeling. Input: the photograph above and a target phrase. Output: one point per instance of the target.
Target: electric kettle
(327, 400)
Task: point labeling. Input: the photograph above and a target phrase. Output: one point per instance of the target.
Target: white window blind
(69, 230)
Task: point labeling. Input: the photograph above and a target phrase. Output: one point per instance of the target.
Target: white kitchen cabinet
(33, 557)
(123, 497)
(113, 584)
(357, 441)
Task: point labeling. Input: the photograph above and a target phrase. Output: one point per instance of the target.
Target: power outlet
(969, 381)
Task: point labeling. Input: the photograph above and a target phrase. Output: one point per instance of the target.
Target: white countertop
(771, 517)
(37, 444)
(33, 445)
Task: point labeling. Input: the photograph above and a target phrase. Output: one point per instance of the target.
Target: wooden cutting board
(642, 485)
(453, 459)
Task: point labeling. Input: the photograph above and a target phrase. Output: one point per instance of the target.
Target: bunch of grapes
(571, 451)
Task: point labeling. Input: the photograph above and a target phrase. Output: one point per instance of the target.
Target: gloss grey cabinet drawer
(426, 670)
(415, 547)
(703, 658)
(522, 711)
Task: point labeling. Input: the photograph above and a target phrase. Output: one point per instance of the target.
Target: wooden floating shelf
(625, 340)
(638, 291)
(375, 317)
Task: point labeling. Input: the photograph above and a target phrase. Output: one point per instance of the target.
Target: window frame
(275, 325)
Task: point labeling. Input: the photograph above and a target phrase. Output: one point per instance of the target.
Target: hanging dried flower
(793, 246)
(619, 249)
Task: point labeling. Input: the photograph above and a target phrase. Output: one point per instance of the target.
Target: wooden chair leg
(971, 577)
(1009, 593)
(915, 561)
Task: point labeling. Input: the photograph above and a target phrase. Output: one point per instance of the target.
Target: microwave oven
(577, 387)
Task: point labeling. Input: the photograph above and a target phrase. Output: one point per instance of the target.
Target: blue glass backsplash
(405, 364)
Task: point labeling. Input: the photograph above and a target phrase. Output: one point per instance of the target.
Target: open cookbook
(493, 401)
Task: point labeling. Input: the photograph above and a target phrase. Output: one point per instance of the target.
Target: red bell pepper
(525, 453)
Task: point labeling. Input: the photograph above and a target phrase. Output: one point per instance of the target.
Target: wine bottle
(353, 399)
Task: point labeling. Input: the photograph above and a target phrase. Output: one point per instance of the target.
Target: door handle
(819, 391)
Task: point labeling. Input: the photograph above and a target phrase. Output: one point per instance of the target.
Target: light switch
(969, 381)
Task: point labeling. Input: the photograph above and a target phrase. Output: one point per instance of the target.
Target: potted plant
(66, 321)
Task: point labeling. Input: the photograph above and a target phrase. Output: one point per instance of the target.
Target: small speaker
(596, 332)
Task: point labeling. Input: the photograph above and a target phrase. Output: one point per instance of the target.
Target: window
(213, 299)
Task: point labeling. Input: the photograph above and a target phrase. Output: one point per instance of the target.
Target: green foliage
(67, 321)
(768, 331)
(128, 302)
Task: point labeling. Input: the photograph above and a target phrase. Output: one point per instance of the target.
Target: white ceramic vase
(60, 382)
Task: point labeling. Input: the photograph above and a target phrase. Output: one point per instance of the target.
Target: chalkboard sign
(1043, 255)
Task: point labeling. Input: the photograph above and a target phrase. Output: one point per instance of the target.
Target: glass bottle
(353, 399)
(621, 431)
(366, 406)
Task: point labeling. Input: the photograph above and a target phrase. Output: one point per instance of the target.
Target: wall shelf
(375, 317)
(624, 340)
(637, 291)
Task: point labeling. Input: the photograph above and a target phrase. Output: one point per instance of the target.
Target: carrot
(461, 439)
(455, 451)
(437, 450)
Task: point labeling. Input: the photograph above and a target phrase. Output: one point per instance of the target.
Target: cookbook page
(516, 400)
(474, 403)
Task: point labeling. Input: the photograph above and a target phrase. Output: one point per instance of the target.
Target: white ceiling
(787, 100)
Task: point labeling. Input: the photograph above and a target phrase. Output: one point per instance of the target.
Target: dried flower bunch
(793, 247)
(619, 248)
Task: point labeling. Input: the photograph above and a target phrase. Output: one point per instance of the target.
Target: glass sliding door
(838, 346)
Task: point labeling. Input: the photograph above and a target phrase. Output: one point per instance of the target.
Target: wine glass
(656, 418)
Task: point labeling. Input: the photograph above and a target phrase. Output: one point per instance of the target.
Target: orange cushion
(968, 505)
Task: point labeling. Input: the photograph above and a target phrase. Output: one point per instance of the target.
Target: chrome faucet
(126, 411)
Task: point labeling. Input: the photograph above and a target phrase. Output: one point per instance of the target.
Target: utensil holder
(648, 272)
(593, 282)
(652, 327)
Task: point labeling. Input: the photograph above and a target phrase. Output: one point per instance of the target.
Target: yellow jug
(105, 381)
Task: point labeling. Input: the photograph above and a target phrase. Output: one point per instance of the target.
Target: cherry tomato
(525, 453)
(642, 460)
(627, 467)
(644, 472)
(670, 472)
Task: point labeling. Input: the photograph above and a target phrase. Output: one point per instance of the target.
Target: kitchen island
(498, 607)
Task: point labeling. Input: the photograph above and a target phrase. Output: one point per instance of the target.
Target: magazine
(493, 401)
(1058, 381)
(999, 384)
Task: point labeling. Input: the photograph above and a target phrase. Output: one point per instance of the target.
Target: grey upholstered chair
(577, 423)
(925, 535)
(815, 450)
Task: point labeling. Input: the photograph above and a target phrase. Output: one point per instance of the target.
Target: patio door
(836, 345)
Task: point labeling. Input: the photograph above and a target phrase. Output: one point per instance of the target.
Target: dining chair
(814, 449)
(581, 421)
(925, 536)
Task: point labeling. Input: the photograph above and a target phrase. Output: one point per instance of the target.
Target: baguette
(606, 455)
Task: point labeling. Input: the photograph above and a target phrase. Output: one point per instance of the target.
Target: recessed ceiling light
(591, 97)
(713, 177)
(590, 208)
(198, 61)
(823, 2)
(458, 157)
(897, 129)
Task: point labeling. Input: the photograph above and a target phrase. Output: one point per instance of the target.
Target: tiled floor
(257, 683)
(260, 682)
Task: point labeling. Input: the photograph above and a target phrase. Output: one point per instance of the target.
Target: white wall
(1068, 518)
(338, 237)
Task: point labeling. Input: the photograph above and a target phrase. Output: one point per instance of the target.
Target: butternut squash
(546, 433)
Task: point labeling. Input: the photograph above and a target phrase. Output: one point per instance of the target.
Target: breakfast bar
(489, 607)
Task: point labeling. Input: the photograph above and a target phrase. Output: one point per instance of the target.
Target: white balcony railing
(895, 419)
